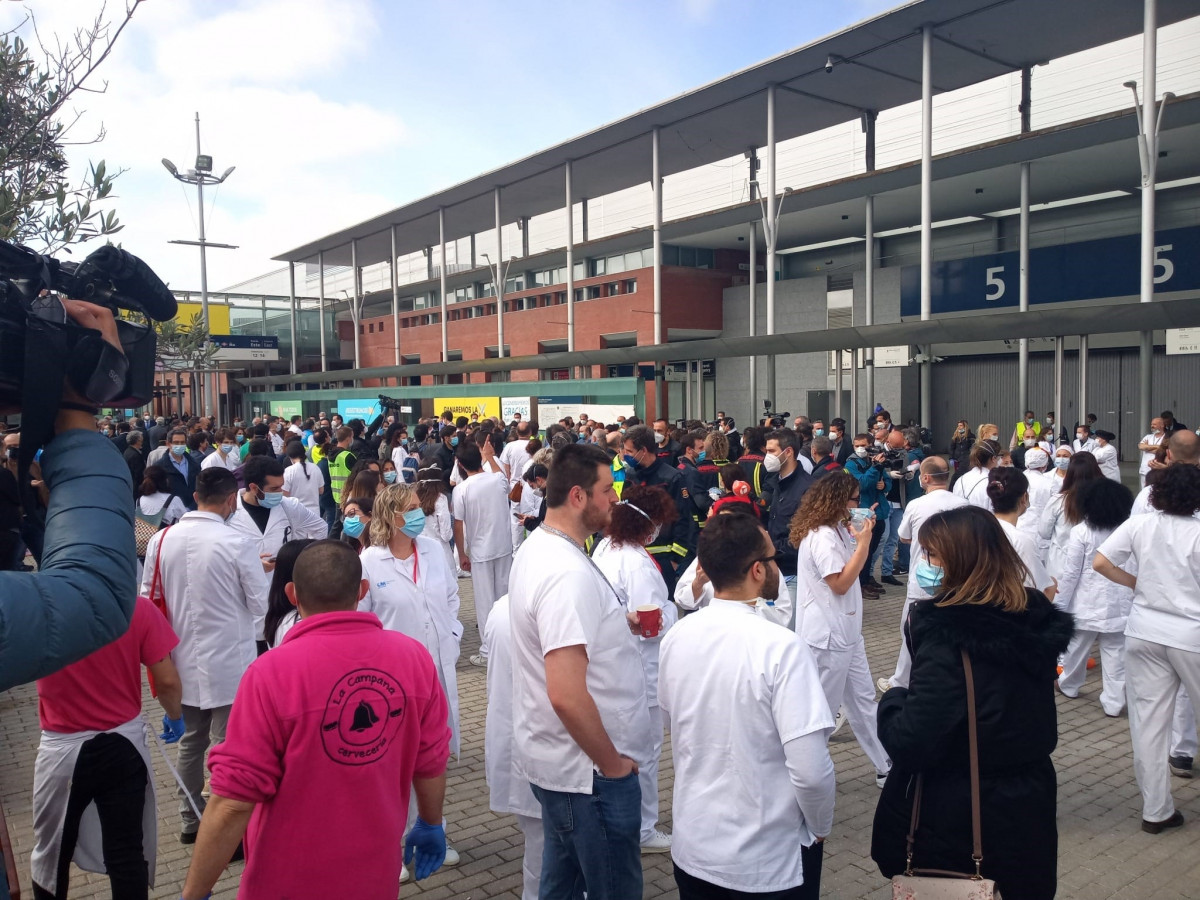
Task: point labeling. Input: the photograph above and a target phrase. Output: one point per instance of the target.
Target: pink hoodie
(326, 734)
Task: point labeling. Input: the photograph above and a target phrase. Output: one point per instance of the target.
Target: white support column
(1023, 256)
(753, 318)
(1150, 118)
(656, 179)
(569, 202)
(840, 360)
(869, 312)
(395, 296)
(770, 226)
(851, 428)
(355, 303)
(292, 308)
(1083, 379)
(1059, 355)
(445, 303)
(926, 214)
(321, 295)
(499, 276)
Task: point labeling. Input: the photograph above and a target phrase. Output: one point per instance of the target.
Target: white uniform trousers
(489, 582)
(531, 864)
(847, 683)
(1112, 667)
(903, 659)
(648, 775)
(518, 530)
(1183, 730)
(1153, 673)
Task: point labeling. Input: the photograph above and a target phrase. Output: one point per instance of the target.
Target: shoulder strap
(973, 740)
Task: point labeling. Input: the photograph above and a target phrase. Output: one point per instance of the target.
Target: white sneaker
(658, 843)
(884, 685)
(452, 857)
(838, 722)
(477, 660)
(405, 877)
(881, 779)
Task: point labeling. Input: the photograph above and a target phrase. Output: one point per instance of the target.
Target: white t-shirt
(1027, 548)
(1040, 492)
(514, 457)
(827, 620)
(214, 460)
(1166, 600)
(481, 504)
(172, 507)
(1141, 503)
(1148, 456)
(972, 487)
(916, 514)
(735, 689)
(559, 599)
(306, 490)
(1106, 457)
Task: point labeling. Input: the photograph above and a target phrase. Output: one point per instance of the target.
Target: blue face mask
(929, 577)
(818, 432)
(630, 461)
(390, 477)
(270, 500)
(703, 455)
(1062, 462)
(241, 438)
(179, 449)
(227, 448)
(454, 441)
(414, 522)
(352, 526)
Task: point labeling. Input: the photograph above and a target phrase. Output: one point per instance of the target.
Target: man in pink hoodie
(327, 734)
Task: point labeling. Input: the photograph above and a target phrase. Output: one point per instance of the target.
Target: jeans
(693, 888)
(592, 841)
(200, 727)
(109, 772)
(878, 533)
(893, 542)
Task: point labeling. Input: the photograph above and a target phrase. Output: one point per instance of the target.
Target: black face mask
(12, 452)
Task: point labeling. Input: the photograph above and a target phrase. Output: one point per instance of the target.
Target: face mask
(654, 535)
(1061, 462)
(929, 577)
(241, 438)
(659, 437)
(1049, 420)
(352, 526)
(630, 461)
(773, 463)
(11, 452)
(700, 457)
(454, 441)
(1082, 437)
(818, 432)
(107, 432)
(227, 448)
(835, 437)
(271, 500)
(178, 449)
(390, 477)
(232, 512)
(414, 522)
(1029, 420)
(1029, 442)
(621, 430)
(860, 452)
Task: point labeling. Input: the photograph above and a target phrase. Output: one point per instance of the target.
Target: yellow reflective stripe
(663, 548)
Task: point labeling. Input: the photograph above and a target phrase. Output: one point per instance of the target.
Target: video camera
(39, 344)
(774, 419)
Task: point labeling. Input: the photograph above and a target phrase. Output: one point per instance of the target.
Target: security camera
(828, 64)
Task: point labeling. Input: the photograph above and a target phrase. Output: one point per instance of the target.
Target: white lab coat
(440, 527)
(291, 520)
(1106, 457)
(426, 611)
(216, 591)
(972, 487)
(779, 611)
(1054, 527)
(508, 792)
(1040, 492)
(1098, 604)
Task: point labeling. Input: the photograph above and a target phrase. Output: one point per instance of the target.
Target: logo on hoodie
(362, 716)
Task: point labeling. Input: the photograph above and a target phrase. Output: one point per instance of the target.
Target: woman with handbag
(971, 736)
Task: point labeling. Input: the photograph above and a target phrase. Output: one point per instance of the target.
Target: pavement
(1102, 851)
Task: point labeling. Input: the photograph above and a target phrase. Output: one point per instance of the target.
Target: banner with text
(465, 406)
(511, 406)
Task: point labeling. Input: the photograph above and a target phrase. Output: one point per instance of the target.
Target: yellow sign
(218, 316)
(484, 407)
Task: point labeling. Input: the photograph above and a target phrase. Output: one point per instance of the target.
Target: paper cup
(650, 620)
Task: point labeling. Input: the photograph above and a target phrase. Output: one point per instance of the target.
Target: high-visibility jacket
(1036, 428)
(618, 473)
(339, 471)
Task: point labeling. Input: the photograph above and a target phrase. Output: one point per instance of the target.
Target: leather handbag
(941, 884)
(518, 489)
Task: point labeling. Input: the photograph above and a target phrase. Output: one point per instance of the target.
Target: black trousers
(877, 530)
(692, 888)
(111, 773)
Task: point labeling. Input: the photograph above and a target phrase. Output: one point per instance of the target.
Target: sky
(334, 112)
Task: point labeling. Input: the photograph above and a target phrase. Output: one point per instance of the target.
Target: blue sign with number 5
(1089, 270)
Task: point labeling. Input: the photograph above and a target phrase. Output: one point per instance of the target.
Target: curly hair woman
(634, 575)
(831, 553)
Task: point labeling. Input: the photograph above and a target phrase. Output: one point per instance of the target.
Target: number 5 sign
(995, 284)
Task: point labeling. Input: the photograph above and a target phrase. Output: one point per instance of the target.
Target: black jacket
(184, 489)
(137, 466)
(924, 730)
(678, 541)
(784, 502)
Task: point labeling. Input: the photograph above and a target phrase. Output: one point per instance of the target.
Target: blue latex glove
(429, 843)
(172, 730)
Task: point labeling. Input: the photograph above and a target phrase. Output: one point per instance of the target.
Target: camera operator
(83, 595)
(897, 465)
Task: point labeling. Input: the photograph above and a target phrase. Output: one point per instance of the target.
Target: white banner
(1182, 341)
(549, 413)
(510, 406)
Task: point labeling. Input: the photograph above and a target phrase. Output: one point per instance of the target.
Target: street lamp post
(499, 277)
(200, 176)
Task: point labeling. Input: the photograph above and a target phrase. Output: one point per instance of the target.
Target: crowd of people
(299, 619)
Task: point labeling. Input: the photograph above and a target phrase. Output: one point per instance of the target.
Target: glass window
(634, 260)
(629, 285)
(670, 255)
(704, 258)
(596, 266)
(593, 293)
(580, 271)
(578, 294)
(615, 265)
(687, 256)
(614, 288)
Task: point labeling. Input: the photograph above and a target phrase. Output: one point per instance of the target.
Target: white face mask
(773, 463)
(659, 437)
(654, 535)
(860, 452)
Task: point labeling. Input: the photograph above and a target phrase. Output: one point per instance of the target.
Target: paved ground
(1102, 852)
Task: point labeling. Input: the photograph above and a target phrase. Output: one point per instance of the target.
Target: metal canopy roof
(877, 65)
(1042, 322)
